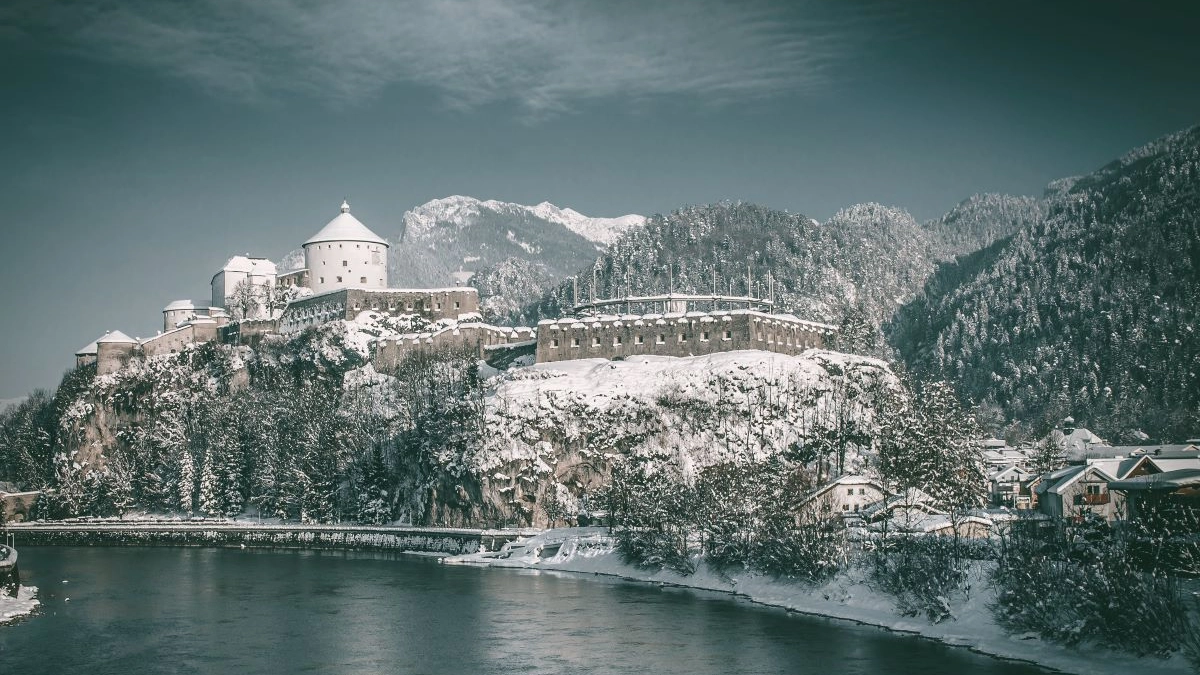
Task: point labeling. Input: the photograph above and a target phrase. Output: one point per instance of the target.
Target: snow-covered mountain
(467, 212)
(448, 240)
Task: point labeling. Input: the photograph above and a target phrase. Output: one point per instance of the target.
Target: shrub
(922, 573)
(1079, 583)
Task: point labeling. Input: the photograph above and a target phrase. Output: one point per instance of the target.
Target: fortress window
(682, 338)
(322, 279)
(638, 340)
(339, 280)
(704, 336)
(345, 263)
(456, 305)
(596, 341)
(728, 335)
(437, 305)
(362, 280)
(617, 341)
(554, 343)
(661, 338)
(408, 306)
(574, 342)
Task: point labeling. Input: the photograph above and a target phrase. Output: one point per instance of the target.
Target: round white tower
(345, 254)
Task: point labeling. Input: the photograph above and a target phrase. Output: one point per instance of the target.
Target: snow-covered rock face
(560, 425)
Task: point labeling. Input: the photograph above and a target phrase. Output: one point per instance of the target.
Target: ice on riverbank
(848, 596)
(13, 608)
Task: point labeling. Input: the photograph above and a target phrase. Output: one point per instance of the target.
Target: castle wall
(690, 334)
(176, 340)
(84, 359)
(247, 332)
(433, 304)
(294, 278)
(112, 356)
(387, 354)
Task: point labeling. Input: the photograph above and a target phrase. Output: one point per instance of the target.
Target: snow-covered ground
(13, 608)
(848, 596)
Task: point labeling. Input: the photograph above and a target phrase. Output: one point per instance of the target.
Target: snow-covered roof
(1169, 464)
(87, 350)
(1010, 472)
(1077, 443)
(345, 227)
(910, 499)
(179, 304)
(847, 479)
(1168, 481)
(1060, 480)
(247, 264)
(116, 337)
(926, 523)
(1118, 467)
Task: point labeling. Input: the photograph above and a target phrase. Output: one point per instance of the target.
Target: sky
(145, 141)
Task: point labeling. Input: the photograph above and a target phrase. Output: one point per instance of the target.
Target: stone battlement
(679, 334)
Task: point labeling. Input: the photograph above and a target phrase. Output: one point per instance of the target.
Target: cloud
(545, 55)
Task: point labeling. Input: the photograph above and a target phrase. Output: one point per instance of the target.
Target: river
(200, 610)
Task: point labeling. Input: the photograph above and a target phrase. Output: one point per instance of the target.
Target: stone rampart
(681, 334)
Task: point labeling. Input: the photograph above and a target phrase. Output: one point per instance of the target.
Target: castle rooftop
(116, 337)
(345, 227)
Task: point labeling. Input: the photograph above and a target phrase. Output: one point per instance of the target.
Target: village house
(845, 496)
(1077, 491)
(1010, 486)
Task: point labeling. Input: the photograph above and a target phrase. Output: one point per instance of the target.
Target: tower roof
(116, 336)
(345, 227)
(179, 304)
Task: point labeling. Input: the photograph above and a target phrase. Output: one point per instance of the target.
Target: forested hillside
(1090, 312)
(868, 257)
(980, 220)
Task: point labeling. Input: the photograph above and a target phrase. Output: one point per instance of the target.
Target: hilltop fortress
(345, 277)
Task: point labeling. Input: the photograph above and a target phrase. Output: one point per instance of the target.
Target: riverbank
(848, 597)
(233, 533)
(12, 608)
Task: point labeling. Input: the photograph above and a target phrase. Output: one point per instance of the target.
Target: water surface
(196, 610)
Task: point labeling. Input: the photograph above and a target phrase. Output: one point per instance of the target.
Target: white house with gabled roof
(259, 273)
(846, 496)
